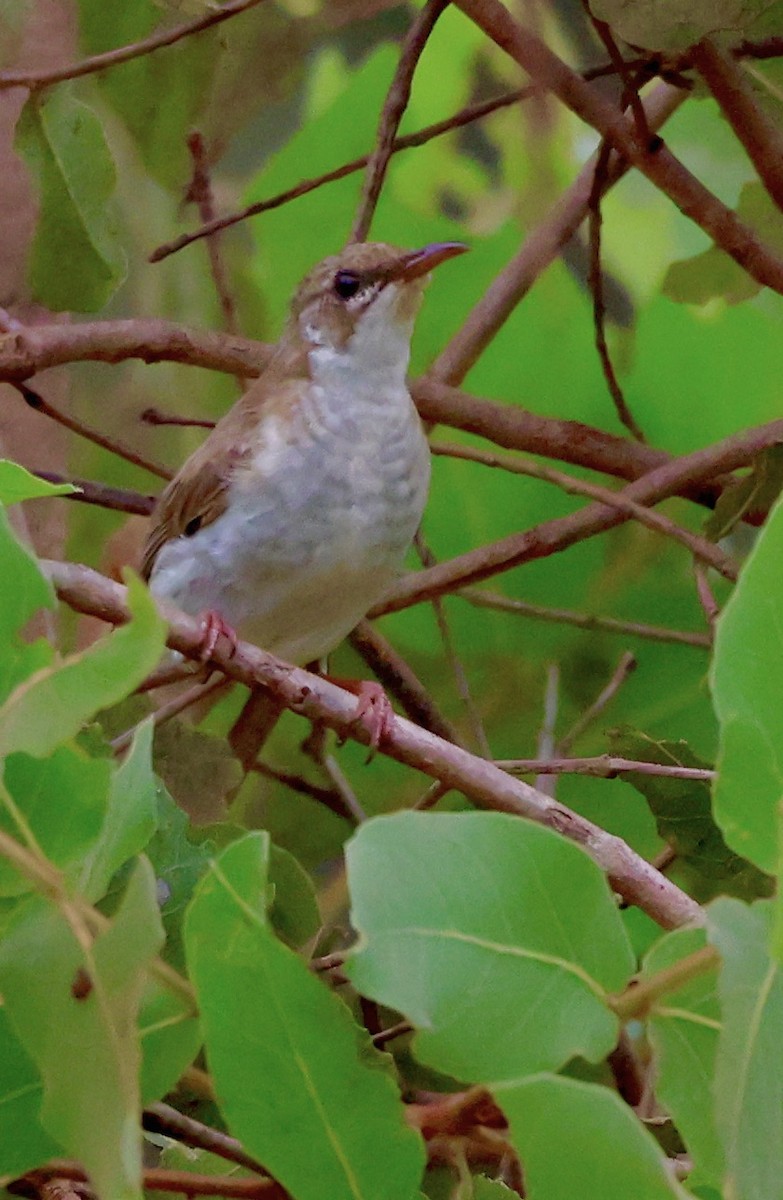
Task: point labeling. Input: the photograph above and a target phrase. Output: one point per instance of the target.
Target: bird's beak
(419, 262)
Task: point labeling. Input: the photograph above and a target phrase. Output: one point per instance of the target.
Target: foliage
(450, 1002)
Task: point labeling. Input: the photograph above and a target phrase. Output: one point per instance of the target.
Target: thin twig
(596, 281)
(709, 604)
(160, 1179)
(318, 699)
(119, 499)
(546, 734)
(625, 667)
(153, 416)
(36, 401)
(551, 537)
(172, 708)
(701, 547)
(329, 797)
(631, 97)
(641, 994)
(392, 113)
(465, 116)
(111, 58)
(565, 616)
(603, 766)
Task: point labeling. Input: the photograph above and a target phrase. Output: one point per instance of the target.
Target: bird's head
(363, 301)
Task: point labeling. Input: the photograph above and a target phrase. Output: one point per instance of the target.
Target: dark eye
(346, 284)
(192, 526)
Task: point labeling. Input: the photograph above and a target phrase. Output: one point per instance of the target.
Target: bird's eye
(346, 284)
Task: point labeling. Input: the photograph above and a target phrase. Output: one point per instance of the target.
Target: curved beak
(420, 262)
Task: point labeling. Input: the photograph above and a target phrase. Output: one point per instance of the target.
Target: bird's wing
(198, 493)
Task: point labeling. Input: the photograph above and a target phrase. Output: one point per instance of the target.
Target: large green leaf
(52, 705)
(579, 1140)
(295, 1078)
(683, 1028)
(747, 688)
(23, 1142)
(74, 1007)
(748, 1074)
(498, 939)
(76, 261)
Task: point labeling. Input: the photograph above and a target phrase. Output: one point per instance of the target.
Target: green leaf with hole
(297, 1081)
(51, 706)
(76, 261)
(748, 1079)
(683, 1028)
(482, 921)
(74, 1007)
(747, 689)
(579, 1140)
(16, 483)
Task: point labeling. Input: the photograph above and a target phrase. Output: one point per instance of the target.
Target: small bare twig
(36, 401)
(394, 106)
(153, 416)
(631, 97)
(329, 797)
(162, 1118)
(564, 616)
(603, 766)
(173, 707)
(707, 600)
(200, 193)
(111, 58)
(625, 667)
(546, 734)
(119, 499)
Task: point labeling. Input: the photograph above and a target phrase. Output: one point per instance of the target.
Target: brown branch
(329, 797)
(162, 1118)
(625, 667)
(655, 160)
(553, 536)
(703, 549)
(759, 135)
(465, 116)
(119, 499)
(153, 416)
(114, 446)
(161, 1179)
(631, 97)
(602, 766)
(596, 283)
(319, 700)
(565, 616)
(392, 113)
(112, 58)
(539, 249)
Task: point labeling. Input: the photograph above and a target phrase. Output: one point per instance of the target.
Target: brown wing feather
(199, 491)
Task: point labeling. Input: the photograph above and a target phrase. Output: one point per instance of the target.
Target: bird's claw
(214, 627)
(374, 712)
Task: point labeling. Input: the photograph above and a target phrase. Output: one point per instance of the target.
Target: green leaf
(198, 769)
(577, 1140)
(23, 1143)
(748, 1080)
(294, 909)
(76, 261)
(179, 861)
(31, 591)
(74, 1009)
(130, 819)
(296, 1079)
(482, 921)
(683, 1028)
(747, 690)
(683, 814)
(17, 484)
(62, 802)
(676, 24)
(52, 705)
(757, 491)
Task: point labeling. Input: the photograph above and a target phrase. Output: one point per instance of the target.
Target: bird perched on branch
(292, 518)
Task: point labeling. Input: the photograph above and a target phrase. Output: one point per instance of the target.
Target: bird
(293, 517)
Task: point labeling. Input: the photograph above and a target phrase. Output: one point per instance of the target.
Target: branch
(553, 536)
(111, 58)
(539, 249)
(653, 160)
(602, 766)
(392, 113)
(162, 1118)
(119, 499)
(319, 700)
(758, 134)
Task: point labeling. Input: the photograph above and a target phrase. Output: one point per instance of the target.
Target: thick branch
(758, 134)
(319, 700)
(655, 161)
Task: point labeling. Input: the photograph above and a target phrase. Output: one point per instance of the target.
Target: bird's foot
(214, 627)
(374, 711)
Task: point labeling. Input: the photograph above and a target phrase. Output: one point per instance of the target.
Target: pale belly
(310, 541)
